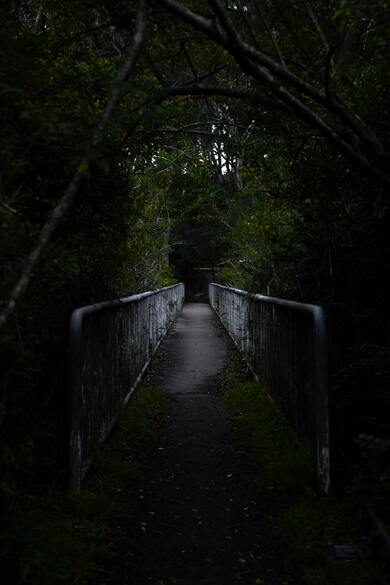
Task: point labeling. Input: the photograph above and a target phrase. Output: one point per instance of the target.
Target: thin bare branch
(272, 35)
(202, 89)
(194, 132)
(318, 28)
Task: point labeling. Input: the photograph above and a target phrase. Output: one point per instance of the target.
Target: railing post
(323, 456)
(76, 407)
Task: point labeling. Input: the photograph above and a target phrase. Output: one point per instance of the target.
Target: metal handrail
(266, 348)
(85, 376)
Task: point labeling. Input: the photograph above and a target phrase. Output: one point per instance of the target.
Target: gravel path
(200, 519)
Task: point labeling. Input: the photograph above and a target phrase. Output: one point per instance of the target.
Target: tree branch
(272, 36)
(184, 131)
(67, 200)
(268, 71)
(201, 89)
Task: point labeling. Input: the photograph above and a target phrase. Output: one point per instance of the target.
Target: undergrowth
(313, 524)
(56, 538)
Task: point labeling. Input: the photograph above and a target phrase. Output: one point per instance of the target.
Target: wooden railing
(284, 343)
(111, 345)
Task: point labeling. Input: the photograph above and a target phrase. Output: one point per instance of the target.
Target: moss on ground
(287, 463)
(312, 523)
(56, 538)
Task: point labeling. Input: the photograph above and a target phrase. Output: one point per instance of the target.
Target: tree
(310, 85)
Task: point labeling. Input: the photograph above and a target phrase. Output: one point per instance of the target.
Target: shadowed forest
(143, 140)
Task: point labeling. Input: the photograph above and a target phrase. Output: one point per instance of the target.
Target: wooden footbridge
(112, 343)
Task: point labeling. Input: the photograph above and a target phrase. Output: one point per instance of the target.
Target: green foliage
(267, 241)
(312, 524)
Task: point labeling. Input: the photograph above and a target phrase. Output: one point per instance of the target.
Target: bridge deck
(203, 522)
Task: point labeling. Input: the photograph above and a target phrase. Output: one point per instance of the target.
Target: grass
(57, 538)
(287, 463)
(312, 523)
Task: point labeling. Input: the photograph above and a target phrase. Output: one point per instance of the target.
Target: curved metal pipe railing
(111, 344)
(285, 345)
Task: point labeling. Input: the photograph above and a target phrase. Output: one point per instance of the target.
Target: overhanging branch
(355, 140)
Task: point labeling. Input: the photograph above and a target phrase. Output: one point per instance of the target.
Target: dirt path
(200, 521)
